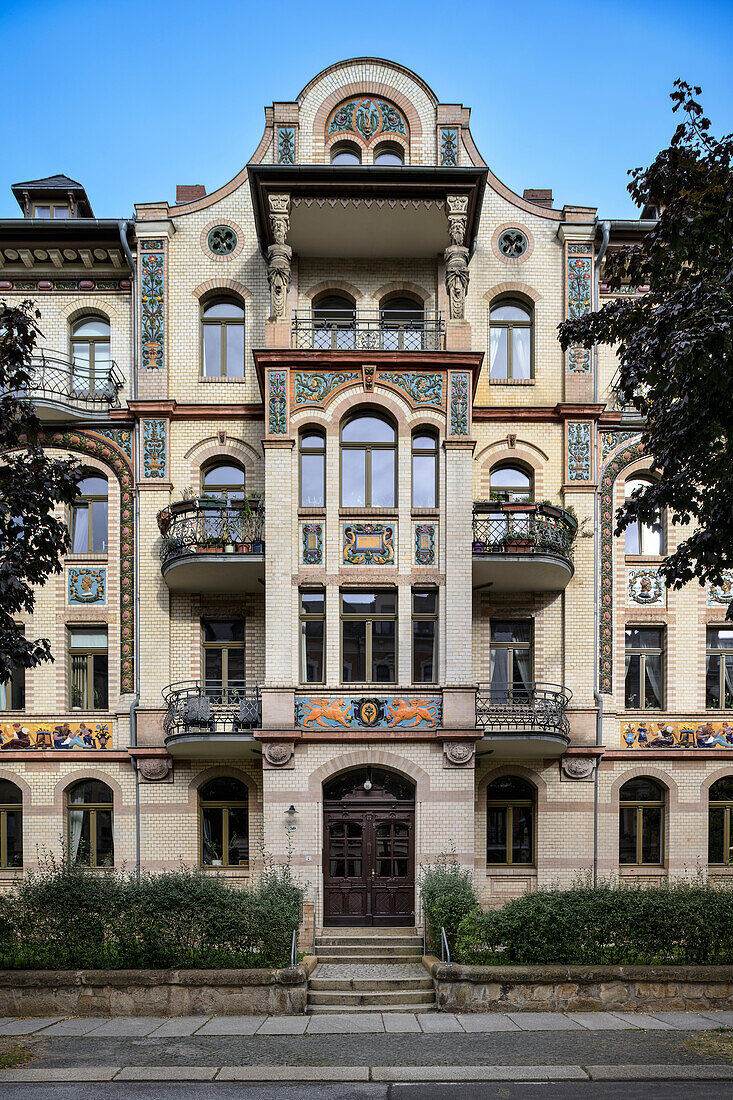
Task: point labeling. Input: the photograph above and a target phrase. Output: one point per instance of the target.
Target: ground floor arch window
(720, 840)
(89, 807)
(510, 821)
(11, 825)
(641, 822)
(224, 822)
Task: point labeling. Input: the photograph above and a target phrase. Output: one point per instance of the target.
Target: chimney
(187, 192)
(539, 196)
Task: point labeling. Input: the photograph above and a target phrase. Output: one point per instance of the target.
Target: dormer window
(46, 210)
(389, 154)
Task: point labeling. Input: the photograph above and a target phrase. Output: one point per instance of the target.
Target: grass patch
(13, 1054)
(713, 1044)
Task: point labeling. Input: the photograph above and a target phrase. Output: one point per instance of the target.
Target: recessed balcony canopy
(210, 545)
(522, 721)
(522, 547)
(350, 211)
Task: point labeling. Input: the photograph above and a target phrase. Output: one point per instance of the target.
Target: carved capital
(156, 769)
(457, 209)
(458, 754)
(279, 217)
(278, 754)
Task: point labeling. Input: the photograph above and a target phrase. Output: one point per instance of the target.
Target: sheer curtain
(654, 678)
(76, 823)
(520, 358)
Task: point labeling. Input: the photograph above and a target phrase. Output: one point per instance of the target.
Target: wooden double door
(369, 864)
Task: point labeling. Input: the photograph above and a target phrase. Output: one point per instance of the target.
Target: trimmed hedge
(448, 897)
(66, 917)
(685, 923)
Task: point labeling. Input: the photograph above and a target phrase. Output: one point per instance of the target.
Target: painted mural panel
(692, 734)
(369, 543)
(415, 712)
(22, 736)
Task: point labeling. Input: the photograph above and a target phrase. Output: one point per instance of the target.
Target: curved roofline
(380, 61)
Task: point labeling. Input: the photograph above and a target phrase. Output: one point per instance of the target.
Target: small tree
(675, 341)
(31, 485)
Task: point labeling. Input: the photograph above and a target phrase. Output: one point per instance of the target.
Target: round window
(512, 243)
(222, 240)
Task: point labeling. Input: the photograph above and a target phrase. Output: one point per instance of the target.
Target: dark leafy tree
(674, 341)
(32, 538)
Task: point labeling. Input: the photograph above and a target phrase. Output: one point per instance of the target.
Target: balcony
(619, 404)
(62, 389)
(523, 721)
(522, 546)
(211, 719)
(212, 546)
(363, 330)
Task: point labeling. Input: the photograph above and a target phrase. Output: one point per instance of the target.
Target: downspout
(123, 225)
(606, 227)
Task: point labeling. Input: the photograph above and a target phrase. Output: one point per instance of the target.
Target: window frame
(726, 805)
(345, 147)
(641, 527)
(304, 450)
(5, 809)
(92, 808)
(87, 500)
(89, 653)
(222, 491)
(422, 617)
(433, 453)
(52, 208)
(639, 805)
(89, 367)
(721, 652)
(368, 448)
(512, 646)
(369, 618)
(392, 148)
(222, 323)
(507, 495)
(509, 805)
(311, 617)
(641, 653)
(16, 683)
(223, 805)
(511, 325)
(224, 647)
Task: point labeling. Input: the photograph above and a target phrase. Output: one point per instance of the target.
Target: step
(331, 1010)
(371, 984)
(370, 930)
(361, 959)
(397, 996)
(383, 949)
(371, 942)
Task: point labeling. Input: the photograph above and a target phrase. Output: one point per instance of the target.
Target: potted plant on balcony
(516, 543)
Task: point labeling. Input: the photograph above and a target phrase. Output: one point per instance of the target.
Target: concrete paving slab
(687, 1021)
(179, 1026)
(57, 1074)
(122, 1027)
(400, 1022)
(722, 1017)
(167, 1073)
(344, 1023)
(74, 1026)
(284, 1025)
(485, 1021)
(543, 1021)
(600, 1021)
(431, 1023)
(644, 1021)
(232, 1025)
(478, 1073)
(27, 1027)
(661, 1073)
(293, 1073)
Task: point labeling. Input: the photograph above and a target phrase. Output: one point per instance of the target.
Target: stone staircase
(370, 970)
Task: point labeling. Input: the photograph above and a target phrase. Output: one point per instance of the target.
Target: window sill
(226, 379)
(644, 559)
(94, 558)
(511, 381)
(633, 870)
(425, 513)
(511, 869)
(312, 513)
(355, 513)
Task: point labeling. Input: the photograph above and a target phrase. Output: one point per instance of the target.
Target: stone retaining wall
(152, 992)
(580, 988)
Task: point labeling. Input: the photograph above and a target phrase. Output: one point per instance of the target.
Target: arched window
(720, 804)
(511, 483)
(222, 339)
(643, 538)
(510, 821)
(90, 354)
(424, 470)
(389, 153)
(11, 825)
(334, 322)
(312, 445)
(368, 462)
(224, 818)
(89, 514)
(511, 353)
(641, 822)
(224, 480)
(345, 152)
(402, 324)
(90, 820)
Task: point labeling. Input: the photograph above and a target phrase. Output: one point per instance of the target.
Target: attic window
(47, 210)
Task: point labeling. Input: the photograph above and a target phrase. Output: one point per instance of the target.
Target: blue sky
(131, 97)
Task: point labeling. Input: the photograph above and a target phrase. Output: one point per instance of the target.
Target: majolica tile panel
(368, 712)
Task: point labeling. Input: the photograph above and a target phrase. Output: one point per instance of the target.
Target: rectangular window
(510, 657)
(424, 636)
(12, 692)
(644, 666)
(368, 636)
(88, 668)
(312, 636)
(223, 644)
(719, 669)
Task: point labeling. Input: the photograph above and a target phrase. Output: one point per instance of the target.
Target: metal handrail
(424, 930)
(211, 706)
(57, 376)
(315, 910)
(368, 330)
(504, 529)
(529, 708)
(207, 527)
(444, 948)
(293, 953)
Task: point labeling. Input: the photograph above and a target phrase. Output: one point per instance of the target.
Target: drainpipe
(606, 227)
(123, 226)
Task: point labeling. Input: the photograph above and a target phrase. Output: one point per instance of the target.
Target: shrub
(448, 896)
(66, 917)
(681, 922)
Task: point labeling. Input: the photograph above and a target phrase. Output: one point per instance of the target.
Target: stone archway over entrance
(368, 848)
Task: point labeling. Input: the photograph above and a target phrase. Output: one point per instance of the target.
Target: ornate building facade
(342, 584)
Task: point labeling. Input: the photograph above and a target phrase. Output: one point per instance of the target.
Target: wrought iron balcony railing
(618, 403)
(533, 708)
(362, 330)
(522, 528)
(209, 707)
(57, 377)
(211, 527)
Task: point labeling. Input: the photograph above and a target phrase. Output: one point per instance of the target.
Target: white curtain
(653, 675)
(520, 358)
(4, 689)
(76, 821)
(497, 353)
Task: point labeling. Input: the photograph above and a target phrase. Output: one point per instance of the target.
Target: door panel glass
(496, 834)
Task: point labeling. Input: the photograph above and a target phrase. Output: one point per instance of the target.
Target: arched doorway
(368, 848)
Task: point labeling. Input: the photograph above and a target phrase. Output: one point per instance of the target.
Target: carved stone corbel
(456, 256)
(579, 768)
(156, 769)
(278, 754)
(279, 254)
(458, 754)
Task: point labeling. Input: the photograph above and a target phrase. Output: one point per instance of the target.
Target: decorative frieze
(154, 449)
(449, 147)
(645, 588)
(425, 543)
(611, 440)
(86, 585)
(367, 117)
(121, 436)
(690, 734)
(24, 736)
(277, 403)
(459, 403)
(419, 712)
(152, 304)
(312, 537)
(369, 543)
(422, 389)
(579, 450)
(313, 387)
(45, 285)
(721, 594)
